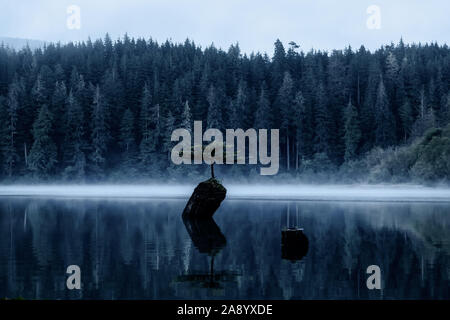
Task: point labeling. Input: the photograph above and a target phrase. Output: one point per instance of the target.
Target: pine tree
(278, 68)
(367, 111)
(284, 104)
(127, 139)
(43, 154)
(385, 122)
(74, 157)
(243, 116)
(169, 126)
(406, 118)
(352, 132)
(322, 122)
(392, 71)
(99, 135)
(150, 125)
(186, 118)
(58, 109)
(10, 155)
(3, 129)
(214, 119)
(262, 117)
(302, 122)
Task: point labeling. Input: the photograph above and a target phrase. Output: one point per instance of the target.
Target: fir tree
(407, 119)
(214, 119)
(186, 118)
(127, 139)
(74, 156)
(10, 155)
(262, 117)
(99, 135)
(284, 105)
(150, 124)
(385, 122)
(43, 154)
(322, 122)
(352, 132)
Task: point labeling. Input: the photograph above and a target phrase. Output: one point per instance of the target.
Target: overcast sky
(254, 24)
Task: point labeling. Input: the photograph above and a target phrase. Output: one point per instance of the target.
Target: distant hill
(18, 43)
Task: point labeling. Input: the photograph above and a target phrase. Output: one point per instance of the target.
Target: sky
(254, 24)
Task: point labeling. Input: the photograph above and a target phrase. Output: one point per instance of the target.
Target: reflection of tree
(207, 238)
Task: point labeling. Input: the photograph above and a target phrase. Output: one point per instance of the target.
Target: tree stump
(205, 200)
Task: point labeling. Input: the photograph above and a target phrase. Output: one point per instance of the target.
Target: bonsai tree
(224, 154)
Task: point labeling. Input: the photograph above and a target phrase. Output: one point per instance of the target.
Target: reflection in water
(141, 249)
(206, 235)
(294, 244)
(207, 238)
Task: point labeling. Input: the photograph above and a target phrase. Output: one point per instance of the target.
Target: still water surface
(142, 249)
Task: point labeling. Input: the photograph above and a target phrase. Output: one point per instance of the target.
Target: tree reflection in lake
(207, 238)
(141, 249)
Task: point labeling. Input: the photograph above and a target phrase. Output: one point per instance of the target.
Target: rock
(205, 200)
(294, 244)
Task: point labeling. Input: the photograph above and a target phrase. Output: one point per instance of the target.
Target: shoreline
(363, 193)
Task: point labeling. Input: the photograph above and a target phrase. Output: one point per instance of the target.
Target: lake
(139, 248)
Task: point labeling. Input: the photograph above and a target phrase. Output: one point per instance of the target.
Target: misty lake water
(142, 249)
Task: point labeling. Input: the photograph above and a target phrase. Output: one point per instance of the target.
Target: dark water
(133, 249)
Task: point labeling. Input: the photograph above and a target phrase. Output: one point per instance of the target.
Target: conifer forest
(104, 110)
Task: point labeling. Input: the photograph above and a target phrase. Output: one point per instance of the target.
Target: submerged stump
(294, 244)
(205, 200)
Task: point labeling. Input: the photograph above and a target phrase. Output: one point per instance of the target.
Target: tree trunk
(287, 152)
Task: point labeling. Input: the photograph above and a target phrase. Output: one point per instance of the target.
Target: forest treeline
(105, 110)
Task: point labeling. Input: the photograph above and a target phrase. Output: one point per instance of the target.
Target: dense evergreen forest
(105, 110)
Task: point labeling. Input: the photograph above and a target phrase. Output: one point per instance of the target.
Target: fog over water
(269, 192)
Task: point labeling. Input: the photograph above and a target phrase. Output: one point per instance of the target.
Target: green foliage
(433, 162)
(42, 158)
(352, 132)
(114, 103)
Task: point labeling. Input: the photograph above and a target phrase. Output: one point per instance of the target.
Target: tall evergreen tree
(150, 124)
(186, 118)
(263, 114)
(74, 151)
(322, 121)
(303, 129)
(406, 118)
(127, 139)
(284, 105)
(214, 119)
(99, 135)
(10, 155)
(43, 154)
(385, 122)
(169, 126)
(352, 132)
(3, 130)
